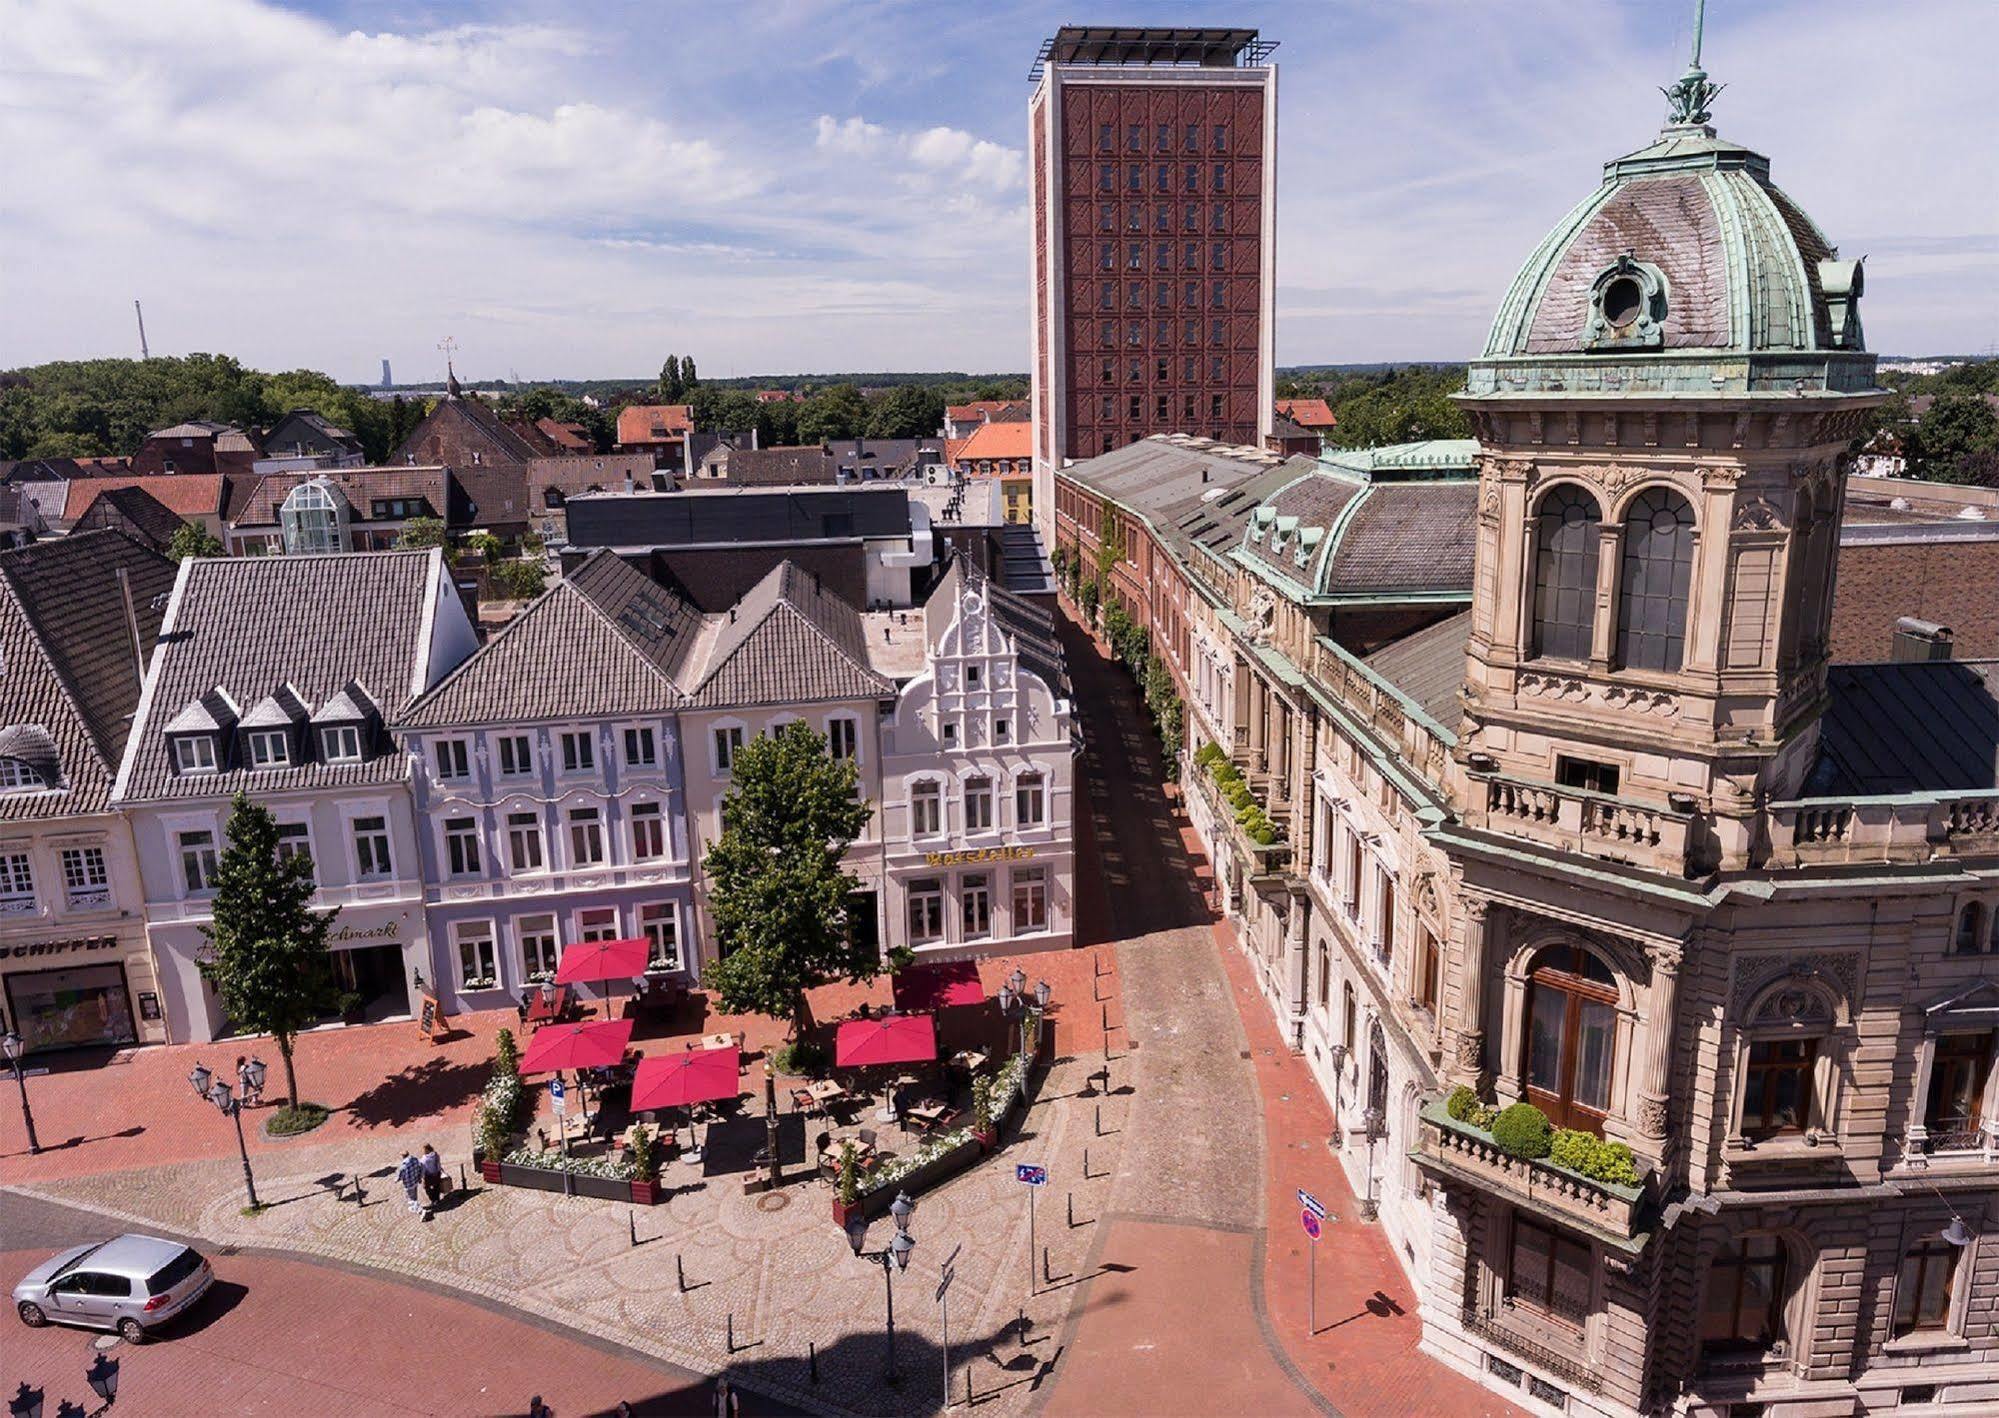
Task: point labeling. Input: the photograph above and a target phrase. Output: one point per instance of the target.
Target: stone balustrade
(1468, 1155)
(1830, 831)
(1590, 824)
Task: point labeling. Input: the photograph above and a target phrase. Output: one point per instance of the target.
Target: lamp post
(26, 1402)
(1339, 1058)
(12, 1045)
(1371, 1121)
(892, 1257)
(102, 1376)
(1012, 1001)
(208, 1086)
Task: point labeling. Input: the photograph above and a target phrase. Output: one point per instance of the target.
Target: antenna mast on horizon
(144, 353)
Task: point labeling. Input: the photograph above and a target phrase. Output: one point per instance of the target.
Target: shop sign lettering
(979, 854)
(344, 934)
(58, 947)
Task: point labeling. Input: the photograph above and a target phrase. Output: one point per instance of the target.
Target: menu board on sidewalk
(429, 1017)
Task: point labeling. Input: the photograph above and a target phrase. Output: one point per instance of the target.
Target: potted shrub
(983, 1127)
(847, 1192)
(642, 1151)
(353, 1009)
(1522, 1131)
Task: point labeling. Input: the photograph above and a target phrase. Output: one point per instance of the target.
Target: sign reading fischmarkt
(344, 934)
(977, 854)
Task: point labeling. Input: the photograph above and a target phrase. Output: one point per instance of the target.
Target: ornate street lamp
(11, 1044)
(1013, 1001)
(1371, 1121)
(1339, 1058)
(892, 1258)
(26, 1402)
(102, 1376)
(209, 1087)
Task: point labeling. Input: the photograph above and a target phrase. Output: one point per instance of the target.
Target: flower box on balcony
(1469, 1156)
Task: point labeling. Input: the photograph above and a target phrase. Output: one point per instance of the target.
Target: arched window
(1565, 545)
(1652, 584)
(1571, 1036)
(1968, 933)
(1742, 1313)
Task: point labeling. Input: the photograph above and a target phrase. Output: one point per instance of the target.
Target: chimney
(630, 484)
(132, 623)
(1920, 640)
(754, 435)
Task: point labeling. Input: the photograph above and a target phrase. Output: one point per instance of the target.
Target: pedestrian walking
(249, 1079)
(409, 1172)
(727, 1405)
(433, 1173)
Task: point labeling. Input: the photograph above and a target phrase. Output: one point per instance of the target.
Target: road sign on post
(1311, 1224)
(1028, 1172)
(1035, 1176)
(557, 1095)
(1311, 1203)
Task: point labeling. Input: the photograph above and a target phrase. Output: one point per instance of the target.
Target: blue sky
(790, 185)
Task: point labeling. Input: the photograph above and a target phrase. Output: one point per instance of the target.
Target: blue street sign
(1311, 1224)
(1311, 1203)
(555, 1094)
(1027, 1172)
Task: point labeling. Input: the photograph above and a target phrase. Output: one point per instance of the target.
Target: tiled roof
(131, 510)
(569, 437)
(194, 428)
(788, 641)
(573, 473)
(495, 495)
(997, 440)
(783, 466)
(252, 625)
(362, 487)
(1313, 414)
(1930, 726)
(1429, 666)
(991, 410)
(1301, 518)
(183, 494)
(654, 423)
(69, 667)
(1405, 538)
(604, 643)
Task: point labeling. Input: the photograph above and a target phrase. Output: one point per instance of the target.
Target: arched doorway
(1571, 1036)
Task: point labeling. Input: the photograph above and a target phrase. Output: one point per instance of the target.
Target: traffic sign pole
(1312, 1288)
(1030, 1239)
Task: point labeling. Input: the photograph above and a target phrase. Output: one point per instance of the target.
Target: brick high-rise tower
(1153, 156)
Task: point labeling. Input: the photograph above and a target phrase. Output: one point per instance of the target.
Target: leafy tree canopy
(838, 412)
(1955, 441)
(193, 539)
(778, 886)
(266, 954)
(420, 533)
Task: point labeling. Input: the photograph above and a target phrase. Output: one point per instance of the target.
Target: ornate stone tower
(1664, 405)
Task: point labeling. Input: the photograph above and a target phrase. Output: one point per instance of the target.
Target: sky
(797, 186)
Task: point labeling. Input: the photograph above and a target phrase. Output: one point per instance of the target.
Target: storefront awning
(597, 1043)
(591, 960)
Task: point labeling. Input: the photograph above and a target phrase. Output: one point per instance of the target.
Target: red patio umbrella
(892, 1039)
(597, 1043)
(592, 960)
(923, 987)
(682, 1080)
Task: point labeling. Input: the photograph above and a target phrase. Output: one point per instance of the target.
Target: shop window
(648, 832)
(926, 909)
(975, 904)
(1571, 1036)
(660, 925)
(371, 848)
(1548, 1272)
(1924, 1284)
(539, 948)
(1030, 900)
(1742, 1312)
(1565, 556)
(478, 967)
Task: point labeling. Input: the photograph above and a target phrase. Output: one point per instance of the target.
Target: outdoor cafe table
(825, 1091)
(718, 1041)
(970, 1060)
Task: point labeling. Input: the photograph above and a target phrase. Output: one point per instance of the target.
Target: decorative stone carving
(1471, 1051)
(1758, 515)
(1644, 701)
(1547, 686)
(1652, 1116)
(1719, 479)
(1837, 970)
(1262, 614)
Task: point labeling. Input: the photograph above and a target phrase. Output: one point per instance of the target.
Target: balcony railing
(1819, 831)
(1469, 1155)
(18, 906)
(1264, 858)
(90, 898)
(1589, 824)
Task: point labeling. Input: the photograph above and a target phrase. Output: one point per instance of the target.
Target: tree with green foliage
(193, 539)
(837, 412)
(420, 533)
(519, 579)
(689, 380)
(670, 386)
(1946, 443)
(778, 885)
(906, 411)
(266, 954)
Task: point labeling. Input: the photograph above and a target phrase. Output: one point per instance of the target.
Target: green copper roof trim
(1409, 706)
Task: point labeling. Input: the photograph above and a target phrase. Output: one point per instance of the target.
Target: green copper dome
(1687, 271)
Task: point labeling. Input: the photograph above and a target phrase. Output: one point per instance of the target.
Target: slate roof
(133, 511)
(1406, 538)
(603, 643)
(865, 459)
(1927, 727)
(1429, 666)
(779, 467)
(722, 516)
(184, 494)
(362, 487)
(307, 430)
(251, 625)
(788, 641)
(66, 652)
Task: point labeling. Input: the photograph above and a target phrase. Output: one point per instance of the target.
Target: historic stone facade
(1597, 826)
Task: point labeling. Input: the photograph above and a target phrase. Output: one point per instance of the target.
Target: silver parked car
(130, 1284)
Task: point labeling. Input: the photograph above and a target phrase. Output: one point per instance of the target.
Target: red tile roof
(569, 437)
(995, 440)
(183, 494)
(998, 410)
(654, 423)
(1314, 414)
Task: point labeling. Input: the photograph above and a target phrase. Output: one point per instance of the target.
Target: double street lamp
(1013, 1000)
(11, 1044)
(213, 1089)
(892, 1257)
(102, 1376)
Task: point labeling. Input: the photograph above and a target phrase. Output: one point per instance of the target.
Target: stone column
(1297, 938)
(1470, 1061)
(1656, 1044)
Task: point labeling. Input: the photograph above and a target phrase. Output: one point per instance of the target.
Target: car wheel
(31, 1314)
(131, 1331)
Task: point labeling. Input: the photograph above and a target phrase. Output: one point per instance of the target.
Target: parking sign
(1028, 1172)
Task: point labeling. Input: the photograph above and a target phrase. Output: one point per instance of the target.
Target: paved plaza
(1153, 1286)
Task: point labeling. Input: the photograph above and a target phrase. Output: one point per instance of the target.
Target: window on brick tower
(1161, 374)
(1162, 178)
(1162, 296)
(1106, 178)
(1162, 331)
(1134, 406)
(1107, 218)
(1215, 405)
(1191, 294)
(1193, 137)
(1218, 332)
(1164, 138)
(1193, 176)
(1106, 256)
(1188, 412)
(1162, 256)
(1106, 295)
(1192, 220)
(1137, 371)
(1221, 177)
(1110, 372)
(1221, 137)
(1134, 178)
(1162, 219)
(1106, 137)
(1161, 415)
(1134, 256)
(1134, 138)
(1219, 220)
(1134, 296)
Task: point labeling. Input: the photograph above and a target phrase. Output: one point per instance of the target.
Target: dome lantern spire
(1691, 98)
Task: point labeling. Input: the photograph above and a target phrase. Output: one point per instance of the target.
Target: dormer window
(16, 776)
(194, 753)
(269, 748)
(340, 743)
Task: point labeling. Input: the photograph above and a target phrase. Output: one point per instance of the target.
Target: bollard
(1086, 1165)
(732, 1331)
(1023, 1324)
(812, 1359)
(461, 1176)
(969, 1400)
(632, 1223)
(1044, 1265)
(1072, 1211)
(1100, 1120)
(679, 1275)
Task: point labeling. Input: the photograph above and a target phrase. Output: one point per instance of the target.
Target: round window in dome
(1622, 299)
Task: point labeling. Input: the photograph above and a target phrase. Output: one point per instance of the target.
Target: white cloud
(852, 135)
(948, 153)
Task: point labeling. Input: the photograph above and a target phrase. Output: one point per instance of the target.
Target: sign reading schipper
(1036, 1177)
